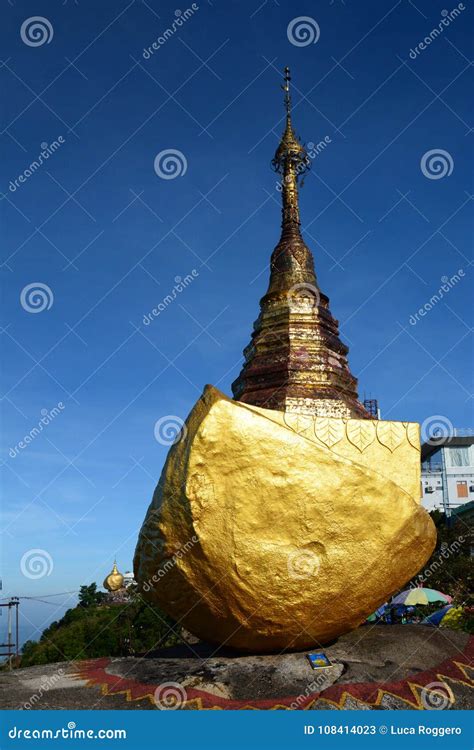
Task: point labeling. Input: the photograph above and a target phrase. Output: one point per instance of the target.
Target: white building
(128, 579)
(447, 472)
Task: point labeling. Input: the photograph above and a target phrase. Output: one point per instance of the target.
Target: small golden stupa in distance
(114, 581)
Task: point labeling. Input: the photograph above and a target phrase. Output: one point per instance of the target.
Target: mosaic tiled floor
(447, 685)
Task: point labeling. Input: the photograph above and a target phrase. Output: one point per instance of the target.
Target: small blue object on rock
(319, 660)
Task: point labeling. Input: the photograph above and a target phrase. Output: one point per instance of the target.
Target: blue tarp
(437, 616)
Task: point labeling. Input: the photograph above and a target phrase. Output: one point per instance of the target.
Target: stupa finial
(291, 161)
(286, 89)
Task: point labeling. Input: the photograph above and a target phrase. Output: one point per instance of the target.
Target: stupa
(296, 361)
(285, 517)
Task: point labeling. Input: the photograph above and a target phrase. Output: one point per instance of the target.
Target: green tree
(89, 596)
(450, 567)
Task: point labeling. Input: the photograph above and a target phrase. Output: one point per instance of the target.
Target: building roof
(427, 449)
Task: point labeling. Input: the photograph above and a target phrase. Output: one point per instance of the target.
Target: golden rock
(284, 518)
(114, 581)
(273, 531)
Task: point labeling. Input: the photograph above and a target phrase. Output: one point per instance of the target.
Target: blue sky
(108, 236)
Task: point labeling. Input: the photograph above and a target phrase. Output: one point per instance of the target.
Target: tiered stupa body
(296, 361)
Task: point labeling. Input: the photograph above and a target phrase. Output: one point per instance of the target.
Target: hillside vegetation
(95, 628)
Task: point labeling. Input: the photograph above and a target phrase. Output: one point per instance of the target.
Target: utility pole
(17, 626)
(12, 647)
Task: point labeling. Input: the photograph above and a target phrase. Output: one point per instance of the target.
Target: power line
(35, 599)
(45, 596)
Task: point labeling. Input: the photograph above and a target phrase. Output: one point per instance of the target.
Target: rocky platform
(374, 667)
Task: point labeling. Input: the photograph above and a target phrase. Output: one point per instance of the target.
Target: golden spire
(114, 581)
(291, 262)
(296, 361)
(291, 161)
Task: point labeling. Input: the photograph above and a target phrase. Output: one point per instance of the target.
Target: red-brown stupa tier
(296, 361)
